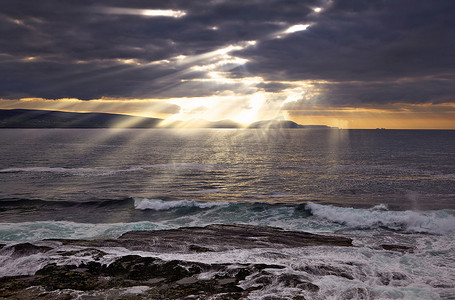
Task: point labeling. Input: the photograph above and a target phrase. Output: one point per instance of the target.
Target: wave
(41, 230)
(101, 171)
(304, 217)
(158, 204)
(21, 202)
(436, 222)
(174, 213)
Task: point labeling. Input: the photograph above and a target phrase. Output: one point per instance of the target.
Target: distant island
(29, 118)
(276, 124)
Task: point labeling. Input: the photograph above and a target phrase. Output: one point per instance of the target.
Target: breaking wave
(158, 204)
(436, 222)
(153, 214)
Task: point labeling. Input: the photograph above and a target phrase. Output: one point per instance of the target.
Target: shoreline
(128, 267)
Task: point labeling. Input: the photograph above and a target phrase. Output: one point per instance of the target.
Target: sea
(377, 187)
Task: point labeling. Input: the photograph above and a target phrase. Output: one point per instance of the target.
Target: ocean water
(378, 187)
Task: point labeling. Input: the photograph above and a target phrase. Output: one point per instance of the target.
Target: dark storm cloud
(55, 49)
(370, 41)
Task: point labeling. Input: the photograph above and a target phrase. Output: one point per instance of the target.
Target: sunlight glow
(317, 9)
(251, 114)
(130, 61)
(142, 12)
(164, 13)
(296, 28)
(225, 60)
(228, 49)
(30, 58)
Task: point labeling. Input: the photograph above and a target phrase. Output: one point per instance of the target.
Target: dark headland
(28, 118)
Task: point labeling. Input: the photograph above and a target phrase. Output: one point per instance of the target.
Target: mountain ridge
(31, 118)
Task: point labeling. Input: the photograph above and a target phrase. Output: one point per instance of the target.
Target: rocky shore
(143, 277)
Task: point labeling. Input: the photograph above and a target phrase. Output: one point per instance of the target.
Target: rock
(233, 237)
(196, 248)
(92, 252)
(53, 277)
(213, 238)
(173, 279)
(26, 249)
(292, 280)
(398, 248)
(387, 278)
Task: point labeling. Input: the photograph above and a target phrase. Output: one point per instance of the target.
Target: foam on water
(158, 204)
(146, 215)
(360, 272)
(339, 272)
(437, 222)
(35, 231)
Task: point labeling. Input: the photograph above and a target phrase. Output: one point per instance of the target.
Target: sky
(345, 63)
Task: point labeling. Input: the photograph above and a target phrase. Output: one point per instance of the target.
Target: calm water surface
(402, 169)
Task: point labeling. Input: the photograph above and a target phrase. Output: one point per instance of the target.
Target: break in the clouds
(254, 57)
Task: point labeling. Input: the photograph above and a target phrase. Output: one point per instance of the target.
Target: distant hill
(28, 118)
(276, 124)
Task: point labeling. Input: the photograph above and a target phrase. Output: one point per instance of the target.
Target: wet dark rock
(267, 266)
(9, 285)
(214, 238)
(292, 280)
(167, 279)
(53, 277)
(26, 249)
(387, 278)
(91, 252)
(174, 279)
(237, 236)
(398, 248)
(196, 248)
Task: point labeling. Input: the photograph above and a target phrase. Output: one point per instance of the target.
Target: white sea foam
(374, 273)
(158, 204)
(426, 273)
(377, 273)
(35, 231)
(437, 222)
(379, 207)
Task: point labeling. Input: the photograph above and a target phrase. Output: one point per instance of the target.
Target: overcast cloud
(355, 53)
